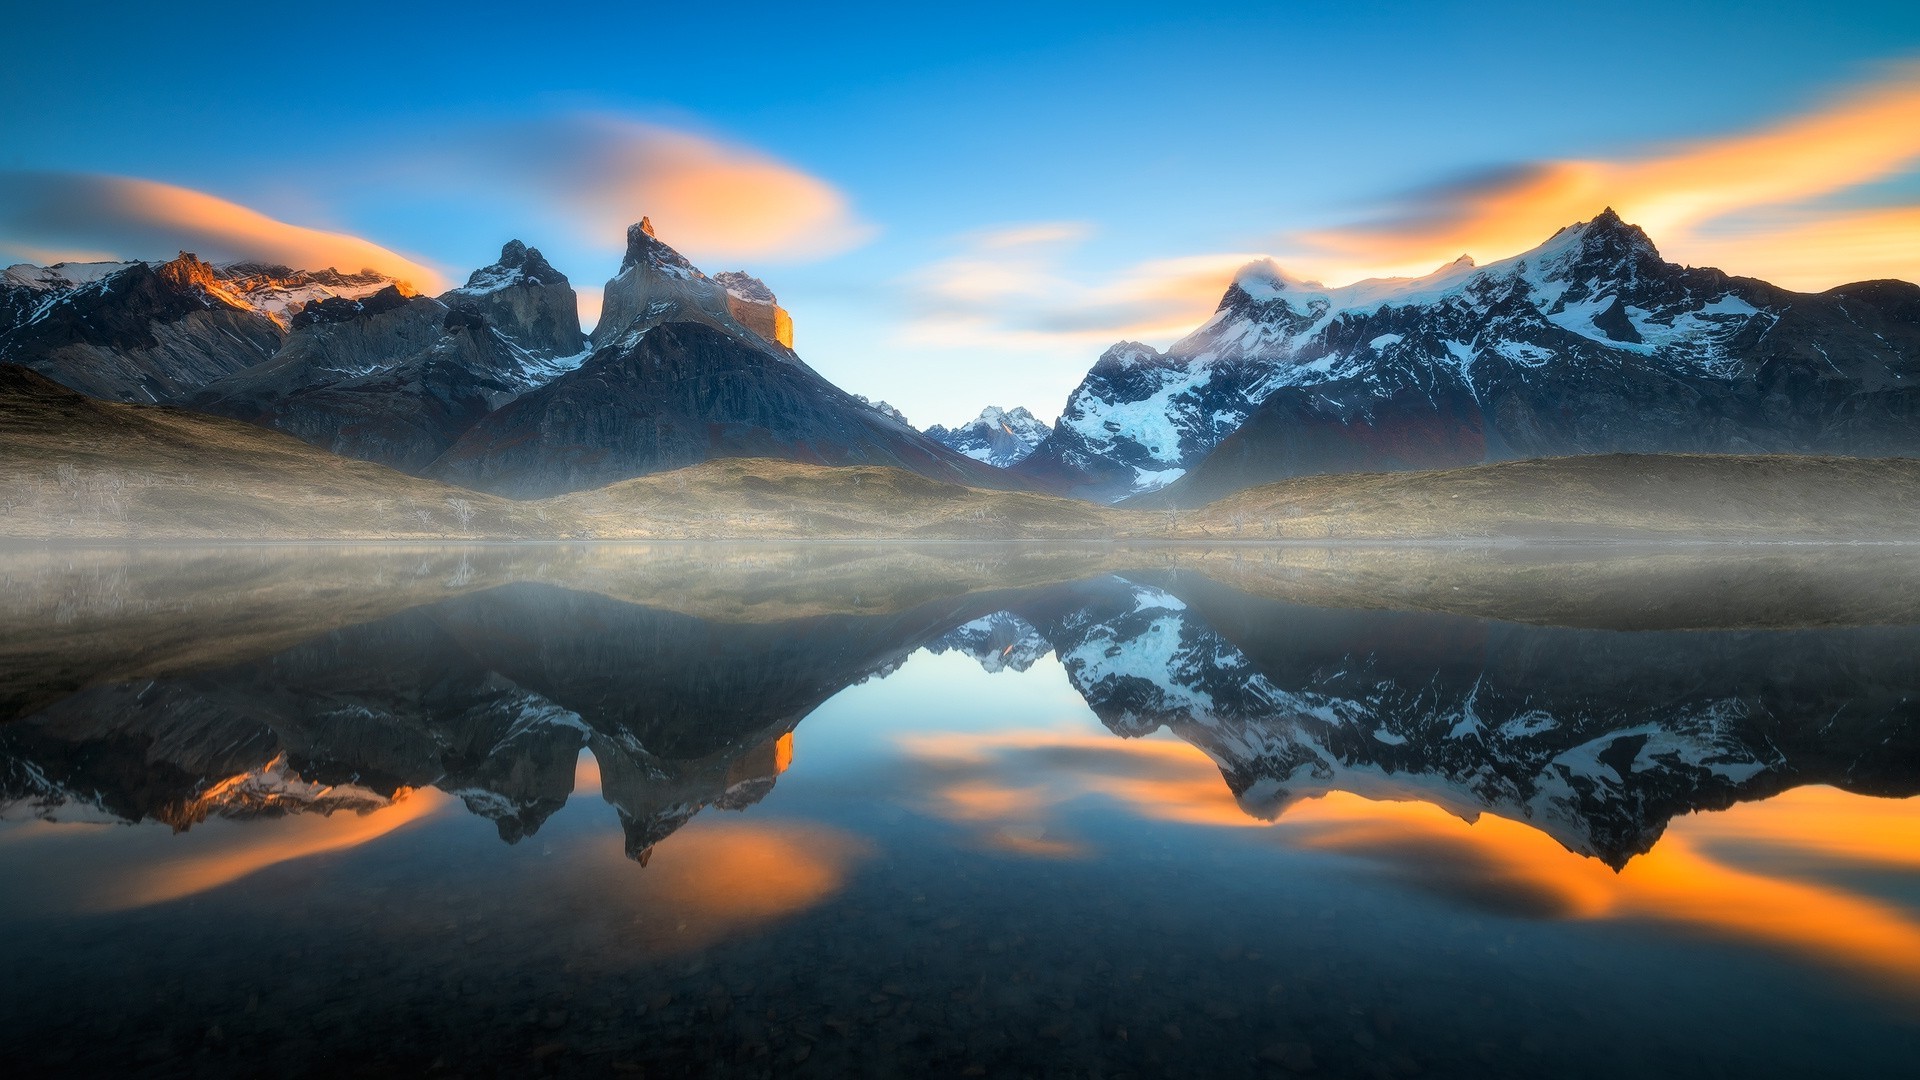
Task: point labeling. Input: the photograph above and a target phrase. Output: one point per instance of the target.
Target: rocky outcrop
(657, 284)
(753, 305)
(526, 299)
(160, 332)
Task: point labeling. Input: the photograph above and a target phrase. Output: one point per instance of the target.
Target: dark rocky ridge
(677, 378)
(338, 309)
(395, 380)
(679, 394)
(147, 333)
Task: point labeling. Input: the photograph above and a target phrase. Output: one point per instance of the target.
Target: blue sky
(988, 196)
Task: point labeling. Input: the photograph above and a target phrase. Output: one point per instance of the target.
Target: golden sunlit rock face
(769, 320)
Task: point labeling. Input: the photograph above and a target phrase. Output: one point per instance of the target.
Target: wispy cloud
(1756, 203)
(1010, 287)
(51, 216)
(598, 173)
(1772, 178)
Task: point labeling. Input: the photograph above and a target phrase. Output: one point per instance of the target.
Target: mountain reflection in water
(1565, 740)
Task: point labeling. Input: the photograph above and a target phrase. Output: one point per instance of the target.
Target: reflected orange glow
(1857, 139)
(586, 775)
(220, 857)
(714, 879)
(74, 215)
(1822, 821)
(1007, 782)
(1696, 876)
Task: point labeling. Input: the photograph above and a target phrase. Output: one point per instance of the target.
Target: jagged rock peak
(518, 265)
(644, 247)
(1607, 232)
(187, 270)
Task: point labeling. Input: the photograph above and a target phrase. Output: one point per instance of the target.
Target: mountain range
(1589, 344)
(1597, 737)
(492, 386)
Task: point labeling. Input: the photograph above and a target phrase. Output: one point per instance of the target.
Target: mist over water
(960, 810)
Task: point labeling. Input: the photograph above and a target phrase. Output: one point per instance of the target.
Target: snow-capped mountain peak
(999, 437)
(1594, 303)
(518, 265)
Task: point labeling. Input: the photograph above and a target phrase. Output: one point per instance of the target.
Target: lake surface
(960, 811)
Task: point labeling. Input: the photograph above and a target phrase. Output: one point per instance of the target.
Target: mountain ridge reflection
(1594, 737)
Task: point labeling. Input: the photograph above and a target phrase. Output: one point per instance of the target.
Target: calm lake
(851, 810)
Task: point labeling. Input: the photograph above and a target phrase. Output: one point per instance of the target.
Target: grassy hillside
(1604, 497)
(78, 469)
(72, 468)
(758, 497)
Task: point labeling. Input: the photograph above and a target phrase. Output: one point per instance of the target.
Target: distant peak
(513, 253)
(883, 408)
(646, 225)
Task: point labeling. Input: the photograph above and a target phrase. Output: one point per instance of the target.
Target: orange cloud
(207, 859)
(1815, 251)
(712, 199)
(1007, 785)
(80, 217)
(1007, 289)
(1867, 135)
